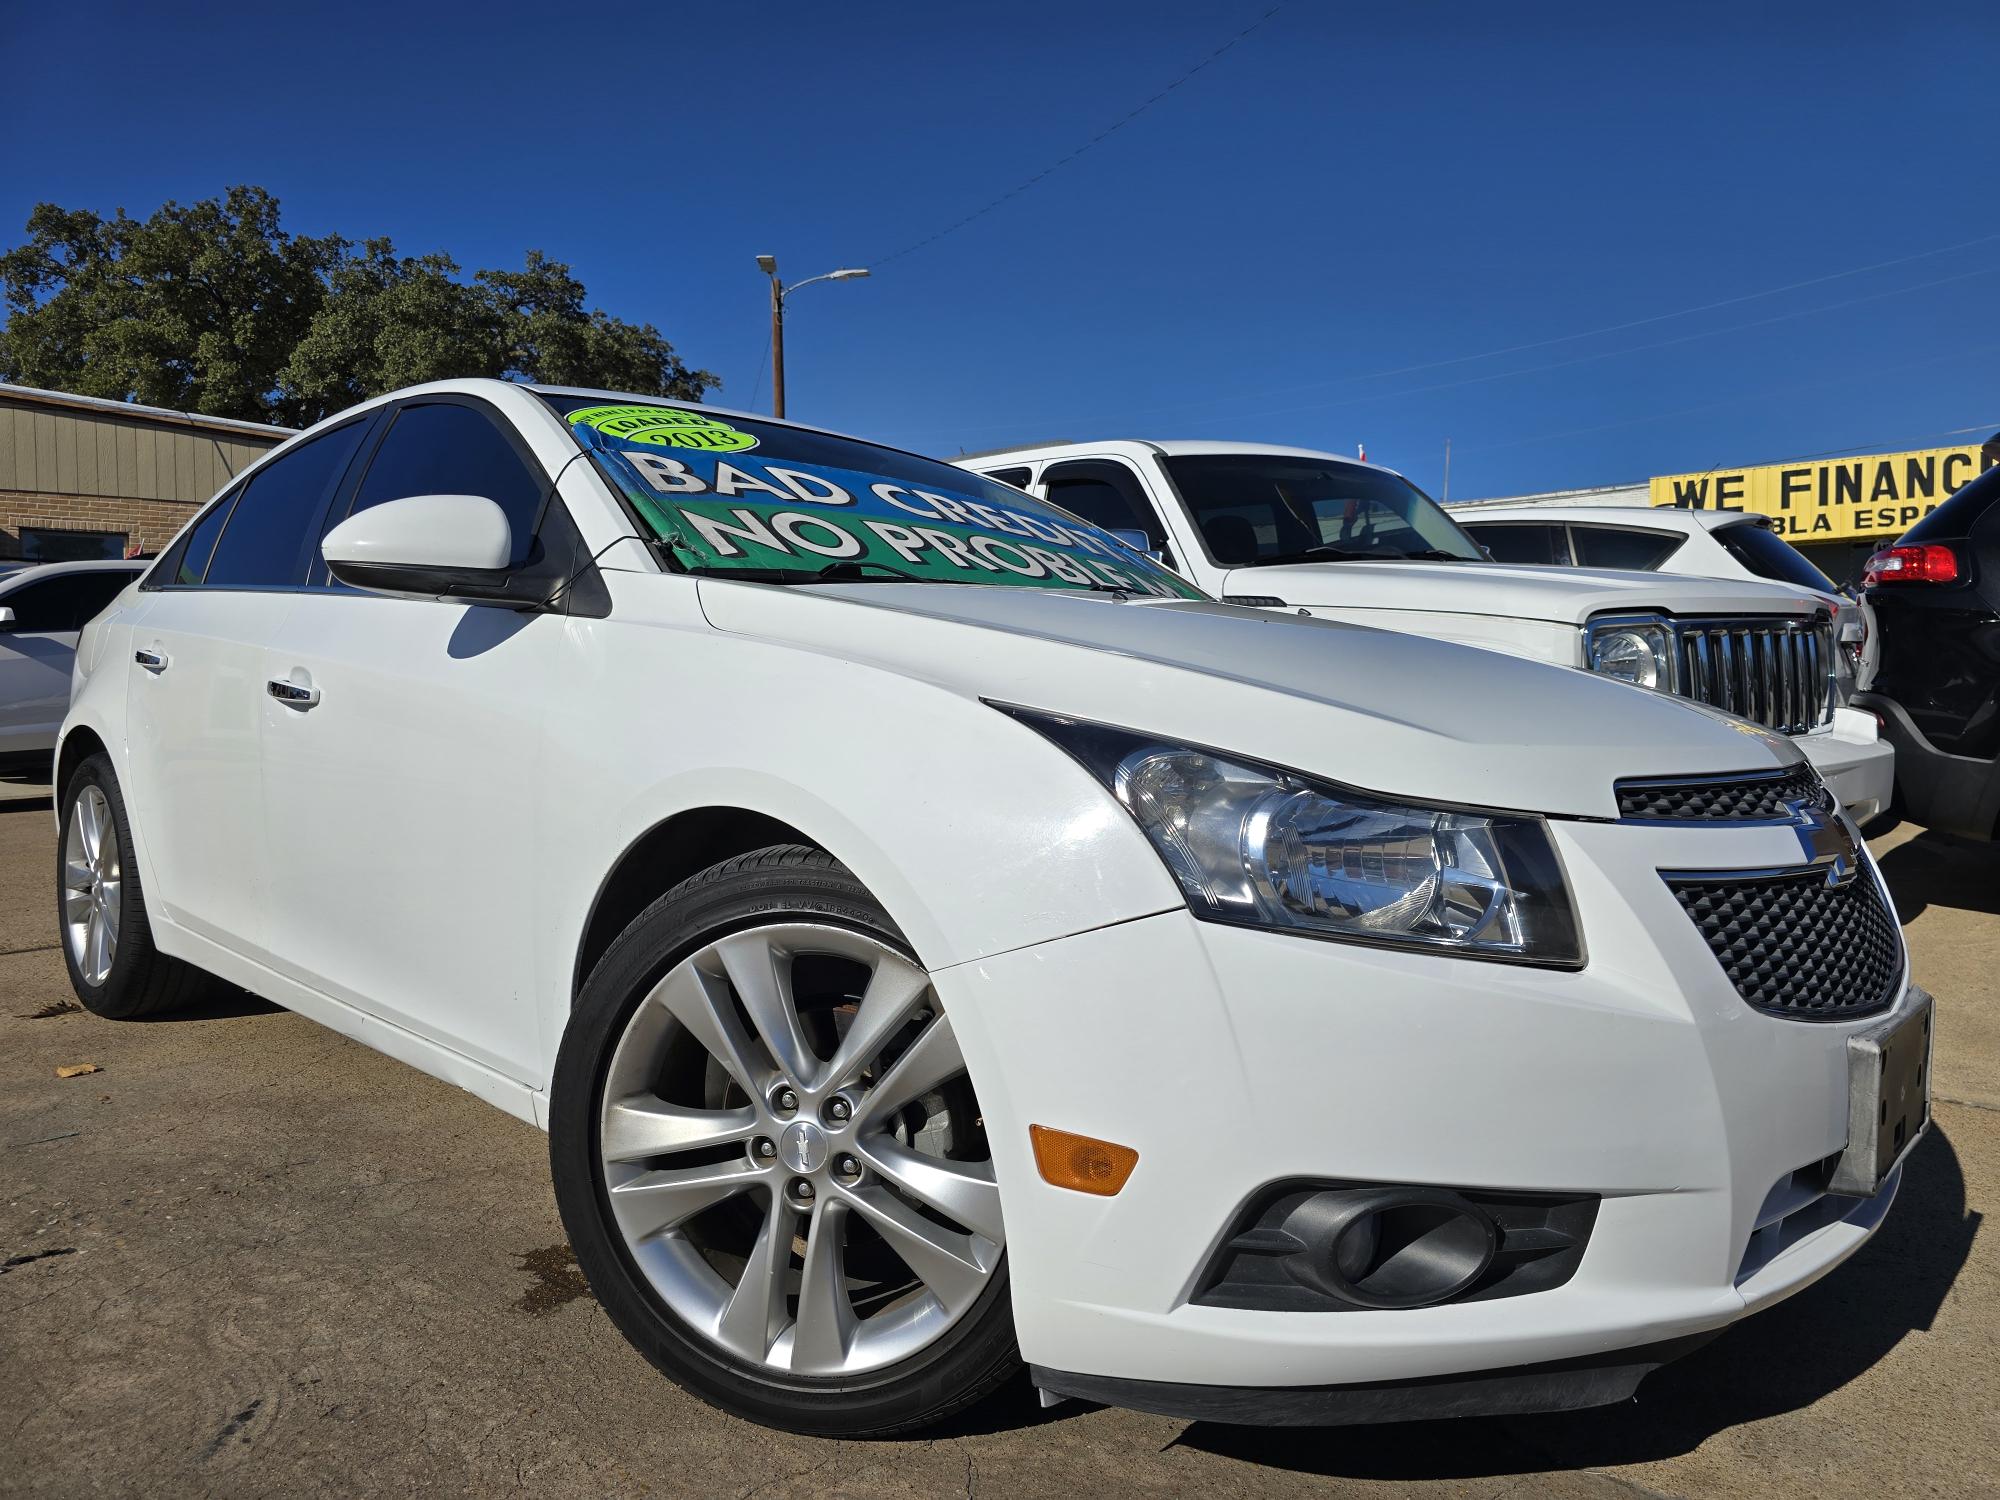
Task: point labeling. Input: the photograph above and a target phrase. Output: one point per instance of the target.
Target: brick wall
(147, 524)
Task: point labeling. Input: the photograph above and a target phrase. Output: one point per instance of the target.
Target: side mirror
(426, 546)
(6, 617)
(1139, 542)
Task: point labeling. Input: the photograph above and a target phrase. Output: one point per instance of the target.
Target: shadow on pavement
(1938, 869)
(230, 1004)
(1782, 1360)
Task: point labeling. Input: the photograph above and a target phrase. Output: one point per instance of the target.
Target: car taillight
(1932, 563)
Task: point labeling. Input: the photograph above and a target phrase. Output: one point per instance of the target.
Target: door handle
(153, 661)
(292, 694)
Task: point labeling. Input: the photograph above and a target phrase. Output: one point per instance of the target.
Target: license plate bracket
(1888, 1099)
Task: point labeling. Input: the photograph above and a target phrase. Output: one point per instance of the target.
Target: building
(82, 477)
(1836, 511)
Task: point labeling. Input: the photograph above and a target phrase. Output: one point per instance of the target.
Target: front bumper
(1230, 1059)
(1853, 759)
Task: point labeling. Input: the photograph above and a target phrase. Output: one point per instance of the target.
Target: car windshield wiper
(850, 570)
(1325, 552)
(1334, 552)
(845, 571)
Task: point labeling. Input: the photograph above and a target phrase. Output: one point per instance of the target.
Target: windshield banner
(725, 503)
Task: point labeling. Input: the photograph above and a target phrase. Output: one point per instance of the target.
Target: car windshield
(1255, 509)
(769, 503)
(1769, 555)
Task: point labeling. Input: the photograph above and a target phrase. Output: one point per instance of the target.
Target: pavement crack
(15, 1262)
(1965, 1103)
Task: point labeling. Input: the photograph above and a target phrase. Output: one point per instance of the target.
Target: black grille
(1796, 948)
(1755, 798)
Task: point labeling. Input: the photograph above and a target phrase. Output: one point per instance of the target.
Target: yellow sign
(1834, 498)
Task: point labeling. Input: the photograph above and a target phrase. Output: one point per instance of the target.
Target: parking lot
(247, 1256)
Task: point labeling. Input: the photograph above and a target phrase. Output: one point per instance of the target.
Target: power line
(1684, 312)
(1633, 349)
(1101, 135)
(1868, 372)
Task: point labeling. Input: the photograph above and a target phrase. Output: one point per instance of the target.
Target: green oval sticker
(663, 427)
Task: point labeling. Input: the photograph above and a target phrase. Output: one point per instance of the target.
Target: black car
(1937, 686)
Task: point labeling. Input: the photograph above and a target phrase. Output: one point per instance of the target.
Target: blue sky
(1322, 238)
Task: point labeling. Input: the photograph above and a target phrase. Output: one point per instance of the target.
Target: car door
(195, 690)
(37, 648)
(400, 779)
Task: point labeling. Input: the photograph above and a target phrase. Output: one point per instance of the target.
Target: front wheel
(101, 907)
(770, 1161)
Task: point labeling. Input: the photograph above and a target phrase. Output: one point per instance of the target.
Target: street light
(768, 264)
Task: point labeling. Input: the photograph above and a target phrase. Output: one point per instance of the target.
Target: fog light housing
(1360, 1247)
(1391, 1247)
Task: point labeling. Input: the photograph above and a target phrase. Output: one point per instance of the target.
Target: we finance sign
(1882, 496)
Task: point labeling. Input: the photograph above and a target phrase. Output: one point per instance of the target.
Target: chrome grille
(1778, 673)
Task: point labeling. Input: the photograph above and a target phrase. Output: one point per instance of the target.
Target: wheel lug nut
(785, 1101)
(802, 1191)
(838, 1109)
(847, 1166)
(766, 1147)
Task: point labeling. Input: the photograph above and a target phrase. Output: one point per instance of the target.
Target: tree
(214, 308)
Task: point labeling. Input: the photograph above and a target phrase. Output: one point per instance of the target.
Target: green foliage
(214, 308)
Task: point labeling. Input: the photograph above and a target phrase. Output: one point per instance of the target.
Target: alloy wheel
(793, 1155)
(93, 882)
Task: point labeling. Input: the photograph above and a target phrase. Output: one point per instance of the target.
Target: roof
(1165, 448)
(12, 574)
(97, 405)
(1658, 517)
(1593, 495)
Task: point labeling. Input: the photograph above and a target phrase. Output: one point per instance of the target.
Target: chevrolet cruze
(936, 938)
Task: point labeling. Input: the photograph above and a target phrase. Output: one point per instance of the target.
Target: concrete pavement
(249, 1257)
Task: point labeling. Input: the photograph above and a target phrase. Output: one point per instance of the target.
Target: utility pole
(1447, 471)
(768, 264)
(777, 345)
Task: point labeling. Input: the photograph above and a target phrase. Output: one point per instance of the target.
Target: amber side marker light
(1080, 1162)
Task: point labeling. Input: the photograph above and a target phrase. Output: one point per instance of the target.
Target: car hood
(1374, 709)
(1566, 596)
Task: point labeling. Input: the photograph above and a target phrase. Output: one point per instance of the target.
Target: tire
(791, 901)
(139, 980)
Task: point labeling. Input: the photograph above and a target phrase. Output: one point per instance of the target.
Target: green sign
(664, 427)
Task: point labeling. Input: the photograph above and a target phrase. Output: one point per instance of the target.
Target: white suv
(1670, 539)
(936, 938)
(1288, 528)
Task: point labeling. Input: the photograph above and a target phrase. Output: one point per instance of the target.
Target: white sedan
(43, 607)
(937, 939)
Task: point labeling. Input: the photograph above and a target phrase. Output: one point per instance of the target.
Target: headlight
(1260, 846)
(1635, 651)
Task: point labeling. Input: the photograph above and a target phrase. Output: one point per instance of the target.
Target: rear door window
(186, 562)
(1617, 547)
